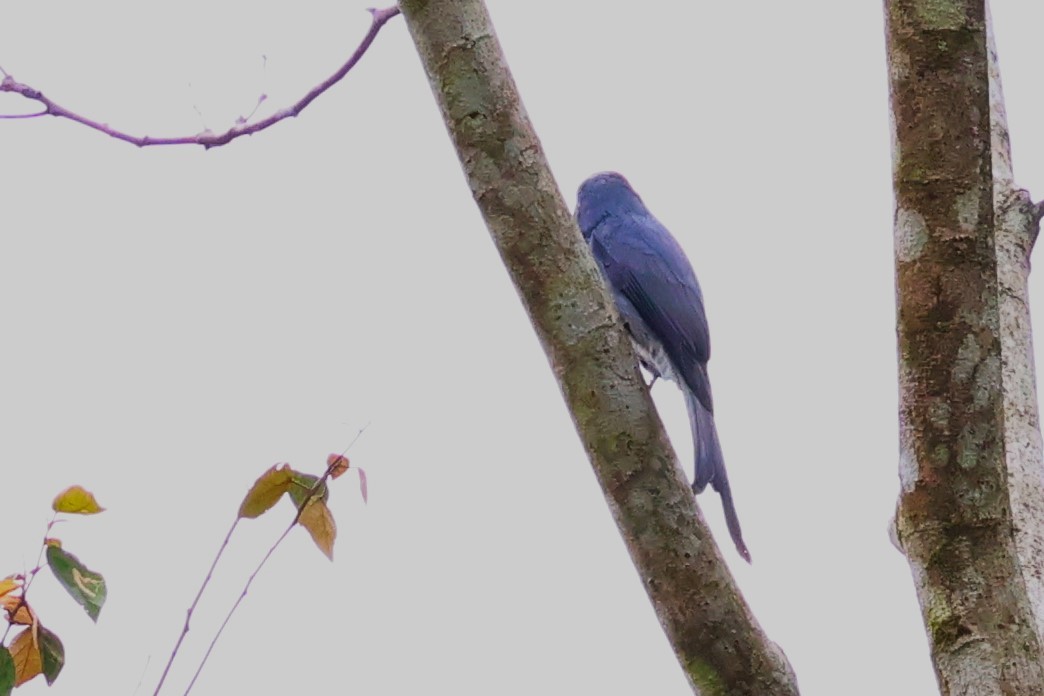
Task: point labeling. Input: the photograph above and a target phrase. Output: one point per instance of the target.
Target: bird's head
(601, 196)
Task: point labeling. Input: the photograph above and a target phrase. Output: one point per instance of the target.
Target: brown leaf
(337, 464)
(18, 612)
(266, 491)
(316, 518)
(27, 659)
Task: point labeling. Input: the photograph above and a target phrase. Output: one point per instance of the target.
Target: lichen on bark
(954, 519)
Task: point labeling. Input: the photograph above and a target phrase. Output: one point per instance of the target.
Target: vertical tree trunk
(716, 638)
(969, 511)
(1017, 222)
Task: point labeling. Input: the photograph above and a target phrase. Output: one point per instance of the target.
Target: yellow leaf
(76, 500)
(266, 491)
(316, 518)
(337, 464)
(9, 584)
(26, 653)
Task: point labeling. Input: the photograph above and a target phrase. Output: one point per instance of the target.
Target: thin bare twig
(246, 588)
(192, 607)
(32, 115)
(239, 600)
(207, 138)
(31, 574)
(141, 679)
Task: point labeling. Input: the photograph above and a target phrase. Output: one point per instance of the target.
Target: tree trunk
(716, 638)
(970, 511)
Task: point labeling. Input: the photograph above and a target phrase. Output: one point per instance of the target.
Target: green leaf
(84, 585)
(53, 653)
(301, 485)
(7, 672)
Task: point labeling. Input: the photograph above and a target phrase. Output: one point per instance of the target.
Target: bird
(661, 305)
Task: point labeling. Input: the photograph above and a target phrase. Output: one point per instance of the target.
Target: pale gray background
(175, 321)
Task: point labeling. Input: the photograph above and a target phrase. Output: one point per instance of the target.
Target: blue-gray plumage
(660, 302)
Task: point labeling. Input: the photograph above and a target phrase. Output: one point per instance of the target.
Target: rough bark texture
(716, 638)
(967, 402)
(1017, 225)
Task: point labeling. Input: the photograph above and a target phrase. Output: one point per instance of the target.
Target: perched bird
(660, 302)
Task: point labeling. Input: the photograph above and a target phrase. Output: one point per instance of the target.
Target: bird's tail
(710, 467)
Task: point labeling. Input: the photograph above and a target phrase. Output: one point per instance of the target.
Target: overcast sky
(175, 321)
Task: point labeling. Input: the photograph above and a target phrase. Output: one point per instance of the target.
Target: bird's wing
(643, 262)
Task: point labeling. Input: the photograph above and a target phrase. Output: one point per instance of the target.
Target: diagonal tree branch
(207, 138)
(714, 634)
